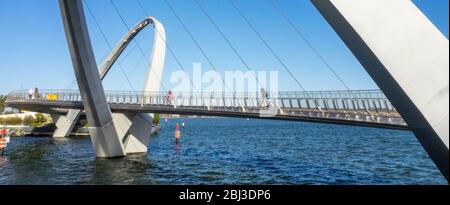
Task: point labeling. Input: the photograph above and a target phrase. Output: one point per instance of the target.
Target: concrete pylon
(65, 123)
(135, 130)
(104, 137)
(408, 58)
(112, 134)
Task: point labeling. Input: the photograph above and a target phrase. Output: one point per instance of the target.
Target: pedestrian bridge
(359, 107)
(120, 126)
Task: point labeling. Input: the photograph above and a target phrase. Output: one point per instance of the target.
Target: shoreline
(48, 131)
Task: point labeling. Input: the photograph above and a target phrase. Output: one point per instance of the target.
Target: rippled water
(231, 151)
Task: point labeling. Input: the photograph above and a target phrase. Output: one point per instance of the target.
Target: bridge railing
(358, 100)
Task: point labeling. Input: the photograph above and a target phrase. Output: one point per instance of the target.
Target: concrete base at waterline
(139, 135)
(106, 142)
(135, 130)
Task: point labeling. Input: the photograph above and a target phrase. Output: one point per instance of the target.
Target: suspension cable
(198, 46)
(108, 43)
(303, 37)
(102, 59)
(228, 42)
(137, 43)
(72, 84)
(130, 51)
(168, 47)
(136, 65)
(194, 40)
(139, 62)
(267, 45)
(316, 52)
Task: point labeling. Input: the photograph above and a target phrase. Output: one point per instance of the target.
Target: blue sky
(33, 50)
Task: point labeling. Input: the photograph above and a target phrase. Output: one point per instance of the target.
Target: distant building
(9, 110)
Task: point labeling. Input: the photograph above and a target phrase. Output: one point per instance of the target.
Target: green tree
(39, 120)
(156, 119)
(28, 120)
(2, 103)
(13, 121)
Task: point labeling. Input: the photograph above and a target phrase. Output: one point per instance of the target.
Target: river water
(230, 151)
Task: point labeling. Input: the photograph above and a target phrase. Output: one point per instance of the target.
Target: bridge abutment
(65, 123)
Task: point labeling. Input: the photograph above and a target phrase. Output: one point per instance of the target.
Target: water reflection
(3, 161)
(129, 170)
(178, 149)
(27, 161)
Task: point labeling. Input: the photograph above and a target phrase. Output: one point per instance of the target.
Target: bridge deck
(361, 108)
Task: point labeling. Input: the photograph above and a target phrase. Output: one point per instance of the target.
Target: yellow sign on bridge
(52, 97)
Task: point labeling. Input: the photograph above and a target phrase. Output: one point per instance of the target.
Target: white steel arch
(65, 124)
(156, 66)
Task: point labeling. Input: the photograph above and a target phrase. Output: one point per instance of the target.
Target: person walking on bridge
(36, 93)
(30, 93)
(169, 98)
(264, 98)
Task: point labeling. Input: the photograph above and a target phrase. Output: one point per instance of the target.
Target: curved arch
(66, 124)
(156, 67)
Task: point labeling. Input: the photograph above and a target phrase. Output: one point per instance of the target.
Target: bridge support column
(407, 56)
(135, 130)
(104, 136)
(65, 123)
